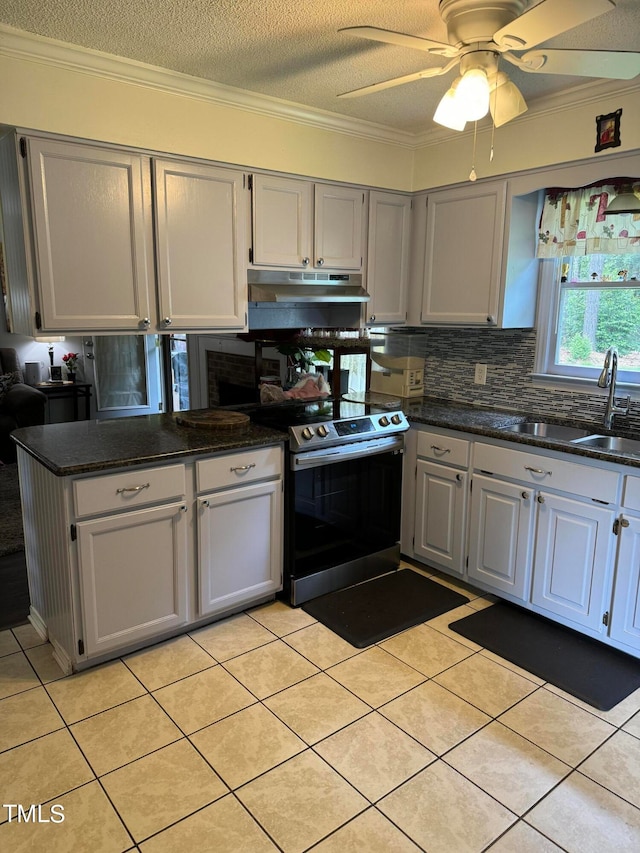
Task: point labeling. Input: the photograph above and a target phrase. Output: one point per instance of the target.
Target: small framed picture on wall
(608, 131)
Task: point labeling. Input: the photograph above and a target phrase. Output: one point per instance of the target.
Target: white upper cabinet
(282, 221)
(90, 224)
(388, 258)
(91, 219)
(200, 245)
(338, 227)
(478, 266)
(308, 226)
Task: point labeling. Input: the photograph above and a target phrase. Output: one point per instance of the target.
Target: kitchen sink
(610, 442)
(545, 430)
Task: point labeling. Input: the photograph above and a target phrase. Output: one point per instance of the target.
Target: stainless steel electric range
(343, 486)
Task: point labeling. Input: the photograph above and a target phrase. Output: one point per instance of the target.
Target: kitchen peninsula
(140, 528)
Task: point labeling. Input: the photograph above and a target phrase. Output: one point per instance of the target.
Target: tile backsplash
(450, 359)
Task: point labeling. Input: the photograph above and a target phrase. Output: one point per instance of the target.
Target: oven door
(343, 516)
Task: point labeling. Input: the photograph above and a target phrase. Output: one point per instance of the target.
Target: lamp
(480, 88)
(50, 340)
(625, 202)
(448, 114)
(472, 94)
(506, 100)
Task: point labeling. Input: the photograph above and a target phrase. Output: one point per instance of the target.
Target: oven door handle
(316, 458)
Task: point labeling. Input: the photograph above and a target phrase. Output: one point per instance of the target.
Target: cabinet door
(93, 237)
(338, 239)
(240, 545)
(463, 255)
(133, 576)
(625, 615)
(501, 535)
(200, 220)
(440, 515)
(573, 548)
(388, 257)
(282, 221)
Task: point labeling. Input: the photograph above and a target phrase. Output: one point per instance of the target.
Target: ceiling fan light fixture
(472, 94)
(625, 202)
(448, 113)
(507, 102)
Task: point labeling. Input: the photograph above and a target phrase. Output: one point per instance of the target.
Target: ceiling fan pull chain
(472, 173)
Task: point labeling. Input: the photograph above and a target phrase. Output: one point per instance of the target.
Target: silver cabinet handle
(167, 321)
(525, 496)
(491, 319)
(459, 477)
(440, 449)
(537, 470)
(206, 503)
(244, 467)
(183, 508)
(372, 318)
(305, 262)
(145, 322)
(540, 499)
(320, 262)
(132, 488)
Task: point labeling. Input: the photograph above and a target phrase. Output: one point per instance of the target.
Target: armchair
(21, 406)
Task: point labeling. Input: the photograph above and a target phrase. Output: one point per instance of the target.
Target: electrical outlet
(480, 377)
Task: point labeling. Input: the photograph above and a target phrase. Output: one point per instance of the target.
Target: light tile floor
(268, 732)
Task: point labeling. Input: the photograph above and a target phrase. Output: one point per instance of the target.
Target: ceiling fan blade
(548, 19)
(614, 64)
(398, 81)
(402, 40)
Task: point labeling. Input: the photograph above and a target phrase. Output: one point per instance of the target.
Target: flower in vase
(71, 361)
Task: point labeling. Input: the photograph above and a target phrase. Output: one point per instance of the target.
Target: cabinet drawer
(134, 488)
(237, 468)
(631, 494)
(442, 448)
(546, 472)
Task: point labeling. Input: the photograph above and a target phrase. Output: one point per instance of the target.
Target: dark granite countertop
(491, 422)
(84, 446)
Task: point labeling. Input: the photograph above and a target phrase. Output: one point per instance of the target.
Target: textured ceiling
(292, 50)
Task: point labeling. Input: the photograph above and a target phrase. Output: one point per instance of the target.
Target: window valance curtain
(573, 223)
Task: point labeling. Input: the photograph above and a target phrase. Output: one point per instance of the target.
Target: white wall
(536, 139)
(63, 89)
(42, 97)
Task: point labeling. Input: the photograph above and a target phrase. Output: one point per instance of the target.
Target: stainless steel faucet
(608, 379)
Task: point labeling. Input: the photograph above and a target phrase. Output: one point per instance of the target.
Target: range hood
(294, 287)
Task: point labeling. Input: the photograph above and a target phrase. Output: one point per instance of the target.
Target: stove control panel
(345, 431)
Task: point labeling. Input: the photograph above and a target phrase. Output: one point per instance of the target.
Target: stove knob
(396, 419)
(322, 431)
(307, 433)
(384, 421)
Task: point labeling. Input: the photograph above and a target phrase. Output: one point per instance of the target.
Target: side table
(69, 390)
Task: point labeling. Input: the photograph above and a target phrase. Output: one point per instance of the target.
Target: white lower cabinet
(574, 545)
(545, 548)
(239, 545)
(239, 512)
(133, 575)
(501, 536)
(625, 611)
(440, 506)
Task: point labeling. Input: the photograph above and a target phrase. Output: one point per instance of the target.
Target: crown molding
(19, 44)
(577, 96)
(33, 48)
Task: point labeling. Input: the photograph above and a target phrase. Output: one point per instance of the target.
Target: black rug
(585, 668)
(374, 610)
(11, 533)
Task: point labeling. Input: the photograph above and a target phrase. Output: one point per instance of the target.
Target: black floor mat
(374, 610)
(585, 668)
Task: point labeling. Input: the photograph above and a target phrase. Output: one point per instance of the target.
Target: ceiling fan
(480, 33)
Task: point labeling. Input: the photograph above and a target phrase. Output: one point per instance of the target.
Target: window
(590, 291)
(595, 305)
